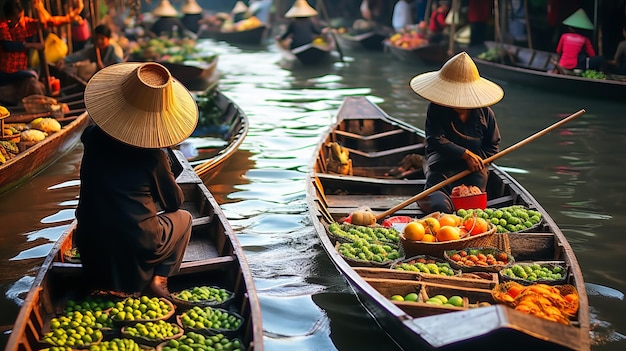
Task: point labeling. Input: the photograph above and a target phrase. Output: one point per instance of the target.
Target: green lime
(397, 298)
(411, 297)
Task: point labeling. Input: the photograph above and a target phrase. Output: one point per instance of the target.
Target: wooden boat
(429, 53)
(195, 75)
(215, 143)
(27, 163)
(308, 54)
(213, 257)
(371, 40)
(376, 143)
(533, 68)
(253, 36)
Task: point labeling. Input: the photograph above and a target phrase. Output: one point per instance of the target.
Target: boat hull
(371, 41)
(254, 36)
(429, 53)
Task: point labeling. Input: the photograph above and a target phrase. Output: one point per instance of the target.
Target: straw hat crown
(165, 9)
(239, 8)
(191, 7)
(301, 8)
(458, 85)
(141, 105)
(579, 19)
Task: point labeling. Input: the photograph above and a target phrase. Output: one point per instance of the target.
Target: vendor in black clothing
(131, 232)
(461, 129)
(301, 28)
(192, 14)
(239, 11)
(168, 24)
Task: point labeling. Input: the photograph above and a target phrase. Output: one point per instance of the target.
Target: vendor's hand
(474, 162)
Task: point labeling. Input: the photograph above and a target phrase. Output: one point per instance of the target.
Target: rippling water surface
(575, 172)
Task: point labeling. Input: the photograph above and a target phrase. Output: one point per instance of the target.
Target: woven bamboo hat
(301, 8)
(191, 7)
(165, 9)
(141, 105)
(458, 85)
(239, 8)
(579, 19)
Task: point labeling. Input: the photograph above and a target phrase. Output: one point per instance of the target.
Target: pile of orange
(444, 227)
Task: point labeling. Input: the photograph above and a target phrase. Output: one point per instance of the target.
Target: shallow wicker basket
(213, 331)
(427, 259)
(202, 303)
(152, 342)
(485, 251)
(120, 323)
(365, 263)
(436, 249)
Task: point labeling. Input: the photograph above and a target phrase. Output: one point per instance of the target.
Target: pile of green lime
(437, 268)
(153, 330)
(90, 303)
(204, 294)
(209, 317)
(354, 232)
(141, 308)
(75, 330)
(192, 341)
(506, 219)
(117, 344)
(366, 251)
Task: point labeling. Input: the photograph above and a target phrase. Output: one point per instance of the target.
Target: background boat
(308, 54)
(214, 257)
(252, 36)
(534, 68)
(195, 75)
(372, 40)
(429, 53)
(219, 137)
(27, 163)
(377, 143)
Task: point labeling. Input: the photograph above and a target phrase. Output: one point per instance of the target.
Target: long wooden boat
(195, 75)
(214, 257)
(534, 68)
(429, 53)
(27, 163)
(377, 143)
(217, 142)
(371, 40)
(308, 54)
(252, 36)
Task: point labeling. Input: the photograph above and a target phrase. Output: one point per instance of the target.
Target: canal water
(576, 173)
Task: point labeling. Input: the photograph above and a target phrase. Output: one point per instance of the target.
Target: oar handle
(488, 160)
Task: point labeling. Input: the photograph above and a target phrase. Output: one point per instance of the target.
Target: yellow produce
(47, 125)
(32, 135)
(4, 112)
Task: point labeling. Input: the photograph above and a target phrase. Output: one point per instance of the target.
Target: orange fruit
(429, 238)
(476, 225)
(414, 231)
(448, 232)
(449, 219)
(431, 225)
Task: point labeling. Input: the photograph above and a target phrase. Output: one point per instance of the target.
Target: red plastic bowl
(470, 202)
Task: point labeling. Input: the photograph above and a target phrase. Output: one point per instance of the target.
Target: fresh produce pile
(593, 74)
(197, 342)
(76, 329)
(407, 39)
(464, 190)
(351, 232)
(25, 135)
(169, 50)
(116, 344)
(210, 318)
(441, 227)
(532, 272)
(426, 265)
(507, 219)
(152, 331)
(554, 303)
(204, 294)
(362, 250)
(141, 309)
(470, 258)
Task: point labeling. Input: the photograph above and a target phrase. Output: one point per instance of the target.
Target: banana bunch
(339, 153)
(4, 112)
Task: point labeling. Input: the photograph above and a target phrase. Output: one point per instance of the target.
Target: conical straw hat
(458, 85)
(141, 105)
(191, 7)
(301, 8)
(165, 9)
(578, 19)
(239, 8)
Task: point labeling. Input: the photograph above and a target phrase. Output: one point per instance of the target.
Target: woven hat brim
(164, 9)
(579, 19)
(479, 93)
(301, 9)
(191, 9)
(118, 117)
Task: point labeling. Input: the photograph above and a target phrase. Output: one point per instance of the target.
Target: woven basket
(213, 331)
(337, 238)
(425, 259)
(477, 268)
(152, 342)
(364, 263)
(436, 249)
(212, 303)
(504, 278)
(120, 323)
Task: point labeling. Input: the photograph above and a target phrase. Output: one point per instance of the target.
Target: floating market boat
(428, 53)
(373, 144)
(371, 40)
(251, 36)
(221, 129)
(214, 258)
(22, 159)
(534, 68)
(309, 54)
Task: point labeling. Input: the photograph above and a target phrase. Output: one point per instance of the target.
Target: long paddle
(332, 32)
(485, 161)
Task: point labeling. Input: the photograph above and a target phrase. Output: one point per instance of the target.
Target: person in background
(301, 29)
(16, 34)
(576, 49)
(168, 24)
(81, 30)
(103, 53)
(131, 231)
(437, 23)
(461, 128)
(619, 60)
(478, 15)
(239, 11)
(192, 15)
(402, 15)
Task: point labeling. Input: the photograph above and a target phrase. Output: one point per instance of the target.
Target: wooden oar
(332, 32)
(485, 161)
